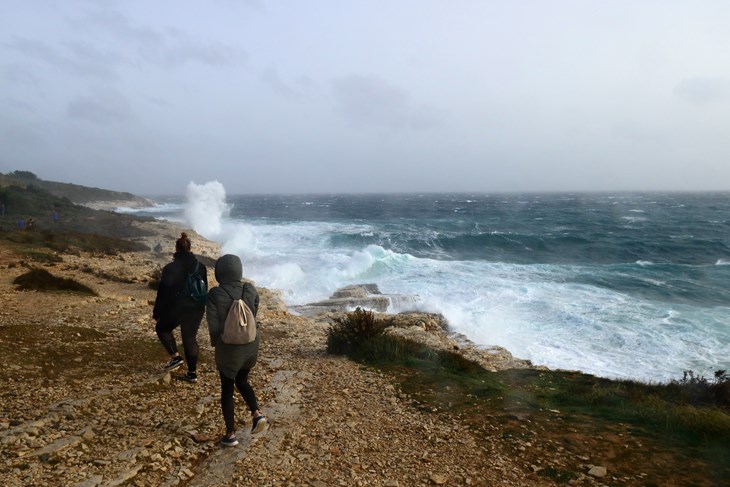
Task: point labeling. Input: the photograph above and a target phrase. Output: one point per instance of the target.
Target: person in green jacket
(234, 362)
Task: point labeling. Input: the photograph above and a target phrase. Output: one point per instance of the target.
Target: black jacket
(168, 303)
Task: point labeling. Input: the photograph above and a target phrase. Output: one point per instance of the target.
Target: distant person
(173, 309)
(30, 225)
(234, 362)
(2, 209)
(21, 224)
(55, 216)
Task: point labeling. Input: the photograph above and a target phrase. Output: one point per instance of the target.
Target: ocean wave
(157, 208)
(564, 283)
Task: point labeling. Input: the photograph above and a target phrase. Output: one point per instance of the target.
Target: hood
(228, 269)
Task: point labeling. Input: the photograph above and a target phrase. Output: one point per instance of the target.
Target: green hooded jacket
(230, 359)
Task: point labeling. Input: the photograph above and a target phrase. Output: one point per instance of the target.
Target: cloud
(103, 108)
(702, 90)
(21, 75)
(75, 57)
(271, 77)
(370, 101)
(18, 137)
(183, 50)
(164, 47)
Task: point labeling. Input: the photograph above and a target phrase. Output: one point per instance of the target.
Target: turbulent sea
(625, 285)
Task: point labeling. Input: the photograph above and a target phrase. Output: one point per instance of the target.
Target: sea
(619, 285)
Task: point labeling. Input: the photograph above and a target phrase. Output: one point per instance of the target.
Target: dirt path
(84, 402)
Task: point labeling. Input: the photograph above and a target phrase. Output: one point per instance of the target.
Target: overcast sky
(367, 96)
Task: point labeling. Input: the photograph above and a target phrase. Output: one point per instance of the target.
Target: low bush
(698, 390)
(42, 280)
(355, 333)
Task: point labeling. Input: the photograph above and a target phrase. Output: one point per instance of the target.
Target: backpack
(239, 328)
(195, 287)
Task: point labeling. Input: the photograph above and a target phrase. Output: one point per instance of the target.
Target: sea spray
(206, 206)
(562, 280)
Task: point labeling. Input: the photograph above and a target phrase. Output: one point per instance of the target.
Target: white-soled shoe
(259, 424)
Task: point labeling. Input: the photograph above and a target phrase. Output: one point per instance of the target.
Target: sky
(367, 96)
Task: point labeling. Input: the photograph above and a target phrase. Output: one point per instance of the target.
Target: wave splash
(206, 207)
(637, 318)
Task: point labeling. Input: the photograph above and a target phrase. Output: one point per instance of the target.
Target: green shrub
(698, 390)
(354, 332)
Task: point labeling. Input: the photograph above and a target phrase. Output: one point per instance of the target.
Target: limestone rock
(597, 471)
(366, 296)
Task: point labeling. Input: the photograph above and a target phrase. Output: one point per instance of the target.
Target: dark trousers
(189, 324)
(249, 396)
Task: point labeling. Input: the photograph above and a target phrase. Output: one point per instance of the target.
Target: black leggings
(241, 383)
(189, 324)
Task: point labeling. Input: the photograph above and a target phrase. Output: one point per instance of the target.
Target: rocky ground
(85, 402)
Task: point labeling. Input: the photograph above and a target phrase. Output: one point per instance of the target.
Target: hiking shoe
(174, 363)
(190, 377)
(229, 440)
(259, 423)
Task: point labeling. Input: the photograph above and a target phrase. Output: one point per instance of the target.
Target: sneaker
(190, 377)
(259, 423)
(174, 363)
(229, 440)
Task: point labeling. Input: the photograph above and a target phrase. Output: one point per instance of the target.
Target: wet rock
(366, 296)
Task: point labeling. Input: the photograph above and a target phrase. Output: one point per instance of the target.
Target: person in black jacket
(172, 309)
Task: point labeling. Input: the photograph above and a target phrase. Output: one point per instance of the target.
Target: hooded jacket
(230, 359)
(168, 304)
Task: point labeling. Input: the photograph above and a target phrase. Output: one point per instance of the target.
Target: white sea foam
(157, 208)
(537, 312)
(634, 219)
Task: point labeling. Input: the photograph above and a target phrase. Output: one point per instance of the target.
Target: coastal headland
(85, 402)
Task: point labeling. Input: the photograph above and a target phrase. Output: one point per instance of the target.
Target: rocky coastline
(85, 402)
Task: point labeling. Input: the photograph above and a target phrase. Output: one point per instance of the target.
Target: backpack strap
(229, 294)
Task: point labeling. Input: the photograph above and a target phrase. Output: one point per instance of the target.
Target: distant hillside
(27, 197)
(80, 195)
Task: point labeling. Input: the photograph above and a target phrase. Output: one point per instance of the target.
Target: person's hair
(183, 243)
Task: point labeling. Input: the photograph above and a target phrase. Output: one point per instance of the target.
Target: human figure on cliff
(234, 362)
(173, 309)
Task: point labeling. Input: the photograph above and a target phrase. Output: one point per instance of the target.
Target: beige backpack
(239, 328)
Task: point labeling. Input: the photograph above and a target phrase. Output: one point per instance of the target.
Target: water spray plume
(206, 206)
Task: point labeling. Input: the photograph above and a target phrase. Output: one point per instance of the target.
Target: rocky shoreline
(428, 329)
(85, 403)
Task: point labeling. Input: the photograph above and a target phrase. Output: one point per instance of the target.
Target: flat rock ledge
(366, 296)
(429, 329)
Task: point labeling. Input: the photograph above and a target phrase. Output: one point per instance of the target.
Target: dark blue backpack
(195, 288)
